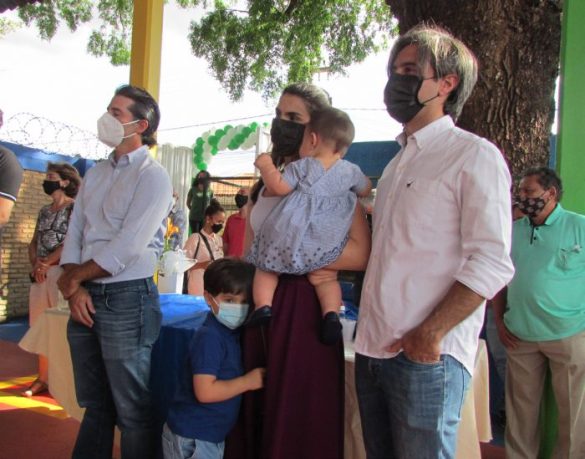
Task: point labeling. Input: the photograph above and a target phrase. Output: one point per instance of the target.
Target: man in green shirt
(541, 319)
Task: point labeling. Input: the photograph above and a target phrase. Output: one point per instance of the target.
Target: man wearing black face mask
(541, 318)
(235, 226)
(441, 241)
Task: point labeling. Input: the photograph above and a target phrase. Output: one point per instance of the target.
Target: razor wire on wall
(52, 136)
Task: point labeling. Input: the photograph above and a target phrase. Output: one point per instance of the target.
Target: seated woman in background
(44, 251)
(205, 246)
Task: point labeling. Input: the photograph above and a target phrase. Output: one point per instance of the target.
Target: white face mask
(111, 131)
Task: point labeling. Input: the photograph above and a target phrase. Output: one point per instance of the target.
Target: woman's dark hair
(547, 178)
(229, 275)
(213, 208)
(67, 172)
(202, 177)
(314, 99)
(143, 108)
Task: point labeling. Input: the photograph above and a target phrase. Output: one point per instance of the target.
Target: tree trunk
(517, 45)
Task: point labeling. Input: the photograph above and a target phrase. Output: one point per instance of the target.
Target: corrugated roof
(11, 4)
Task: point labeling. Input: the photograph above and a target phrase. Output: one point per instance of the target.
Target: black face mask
(50, 186)
(286, 137)
(241, 200)
(401, 96)
(531, 207)
(216, 227)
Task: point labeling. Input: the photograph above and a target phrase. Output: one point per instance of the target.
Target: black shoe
(330, 328)
(260, 316)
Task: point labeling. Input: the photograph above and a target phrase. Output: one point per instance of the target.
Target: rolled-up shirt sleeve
(486, 222)
(72, 246)
(149, 207)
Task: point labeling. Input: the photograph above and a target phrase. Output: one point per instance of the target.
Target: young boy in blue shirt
(207, 401)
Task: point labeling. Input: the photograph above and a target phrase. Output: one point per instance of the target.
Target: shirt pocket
(571, 258)
(429, 203)
(117, 203)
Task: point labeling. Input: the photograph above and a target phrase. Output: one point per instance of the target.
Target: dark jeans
(408, 409)
(111, 365)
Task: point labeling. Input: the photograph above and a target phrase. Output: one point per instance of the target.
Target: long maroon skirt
(299, 413)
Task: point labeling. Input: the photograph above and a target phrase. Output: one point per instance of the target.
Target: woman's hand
(39, 271)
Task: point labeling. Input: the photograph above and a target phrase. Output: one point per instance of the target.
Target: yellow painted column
(146, 45)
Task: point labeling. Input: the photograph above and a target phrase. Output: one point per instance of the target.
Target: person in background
(541, 319)
(113, 244)
(205, 246)
(176, 224)
(10, 179)
(44, 251)
(208, 396)
(440, 247)
(235, 226)
(312, 223)
(199, 196)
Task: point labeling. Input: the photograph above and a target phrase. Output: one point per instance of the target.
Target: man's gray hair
(446, 55)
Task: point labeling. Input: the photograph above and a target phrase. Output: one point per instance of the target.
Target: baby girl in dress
(309, 228)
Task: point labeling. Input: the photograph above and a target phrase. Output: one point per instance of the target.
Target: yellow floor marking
(18, 402)
(22, 381)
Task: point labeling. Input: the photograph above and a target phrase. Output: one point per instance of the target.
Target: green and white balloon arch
(211, 142)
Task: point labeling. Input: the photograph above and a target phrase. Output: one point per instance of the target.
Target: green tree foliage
(7, 26)
(256, 44)
(274, 42)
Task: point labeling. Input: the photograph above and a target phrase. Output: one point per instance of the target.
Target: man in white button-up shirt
(114, 239)
(441, 243)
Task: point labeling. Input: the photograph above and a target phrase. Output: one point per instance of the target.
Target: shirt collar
(554, 215)
(128, 158)
(425, 135)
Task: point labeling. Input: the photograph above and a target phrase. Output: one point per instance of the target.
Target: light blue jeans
(410, 410)
(111, 365)
(176, 447)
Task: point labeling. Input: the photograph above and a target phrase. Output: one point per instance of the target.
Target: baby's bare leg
(328, 289)
(264, 287)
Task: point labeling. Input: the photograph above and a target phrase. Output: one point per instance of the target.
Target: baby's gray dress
(309, 228)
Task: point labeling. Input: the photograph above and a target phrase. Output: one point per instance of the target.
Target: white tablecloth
(48, 337)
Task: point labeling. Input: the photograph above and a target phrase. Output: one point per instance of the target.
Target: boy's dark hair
(229, 275)
(143, 108)
(333, 125)
(67, 172)
(547, 178)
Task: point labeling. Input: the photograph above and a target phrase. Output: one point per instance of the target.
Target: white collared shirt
(119, 217)
(442, 214)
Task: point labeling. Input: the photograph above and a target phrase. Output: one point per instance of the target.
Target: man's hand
(508, 339)
(68, 284)
(419, 346)
(255, 378)
(264, 160)
(82, 307)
